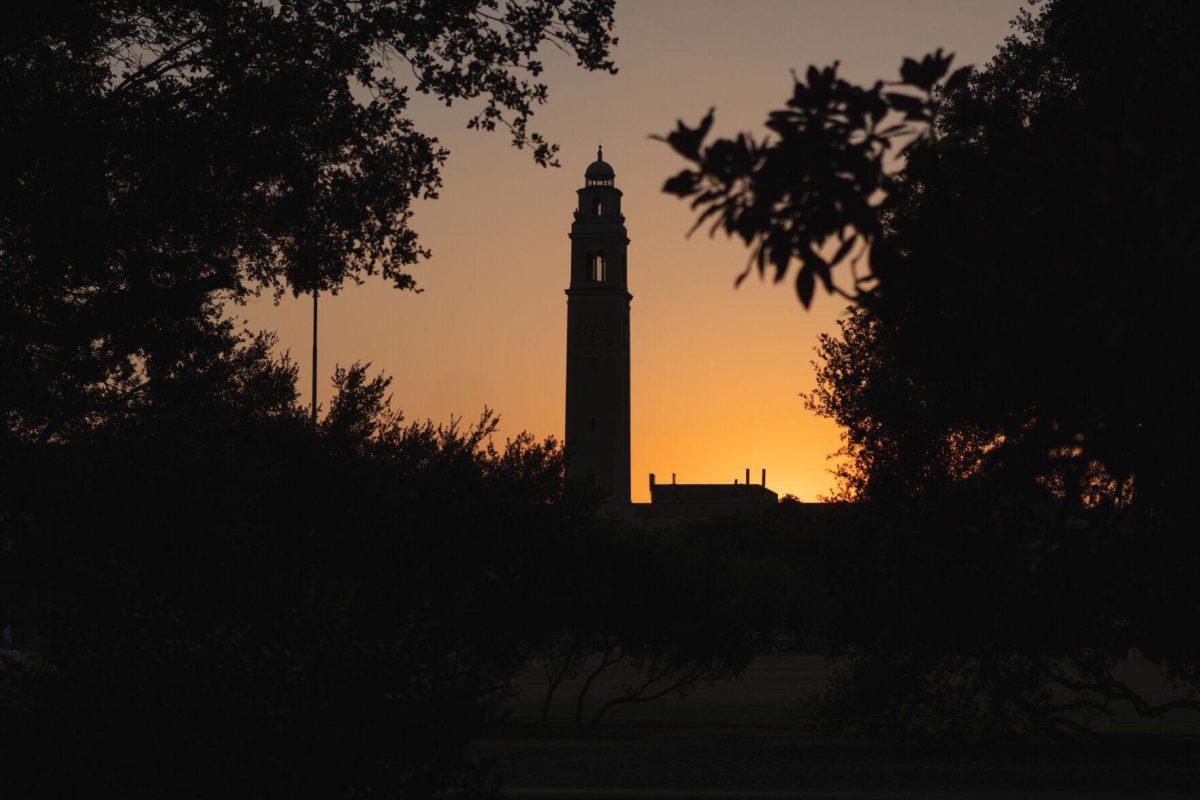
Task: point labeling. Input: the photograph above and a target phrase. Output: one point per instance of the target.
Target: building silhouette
(598, 390)
(597, 431)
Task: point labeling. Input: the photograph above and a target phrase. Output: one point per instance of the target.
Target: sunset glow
(717, 374)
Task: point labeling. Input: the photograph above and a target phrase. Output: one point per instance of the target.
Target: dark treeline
(213, 599)
(1013, 376)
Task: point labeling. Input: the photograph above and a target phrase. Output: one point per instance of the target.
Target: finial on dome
(599, 173)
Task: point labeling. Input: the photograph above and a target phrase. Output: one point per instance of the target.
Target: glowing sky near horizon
(717, 373)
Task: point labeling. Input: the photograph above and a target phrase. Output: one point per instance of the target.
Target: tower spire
(599, 152)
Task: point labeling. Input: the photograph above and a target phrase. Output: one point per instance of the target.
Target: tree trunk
(556, 681)
(604, 664)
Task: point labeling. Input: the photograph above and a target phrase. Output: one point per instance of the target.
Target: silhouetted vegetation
(204, 594)
(157, 156)
(211, 598)
(1013, 375)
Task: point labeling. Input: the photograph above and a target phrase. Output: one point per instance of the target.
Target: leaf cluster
(814, 190)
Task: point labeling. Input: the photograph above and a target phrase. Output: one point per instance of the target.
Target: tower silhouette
(598, 337)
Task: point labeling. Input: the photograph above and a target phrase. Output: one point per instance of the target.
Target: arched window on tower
(599, 267)
(598, 207)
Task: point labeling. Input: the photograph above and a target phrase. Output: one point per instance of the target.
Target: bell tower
(597, 431)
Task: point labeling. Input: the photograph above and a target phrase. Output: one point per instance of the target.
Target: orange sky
(716, 373)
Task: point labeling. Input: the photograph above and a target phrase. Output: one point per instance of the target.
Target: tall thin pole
(314, 361)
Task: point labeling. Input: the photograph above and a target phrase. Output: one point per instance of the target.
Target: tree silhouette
(188, 622)
(1012, 377)
(204, 593)
(157, 158)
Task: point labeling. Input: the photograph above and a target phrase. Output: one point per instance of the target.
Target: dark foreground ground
(750, 738)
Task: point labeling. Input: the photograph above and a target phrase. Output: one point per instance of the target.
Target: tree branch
(587, 684)
(638, 697)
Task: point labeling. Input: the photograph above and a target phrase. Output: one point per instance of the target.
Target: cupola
(599, 172)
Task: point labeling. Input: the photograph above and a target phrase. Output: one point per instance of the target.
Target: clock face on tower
(601, 336)
(592, 331)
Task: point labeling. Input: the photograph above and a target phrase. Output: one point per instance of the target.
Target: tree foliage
(212, 598)
(816, 190)
(158, 157)
(1012, 377)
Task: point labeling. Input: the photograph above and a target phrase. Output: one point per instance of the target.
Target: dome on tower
(599, 170)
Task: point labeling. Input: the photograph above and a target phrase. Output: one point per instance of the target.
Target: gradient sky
(717, 374)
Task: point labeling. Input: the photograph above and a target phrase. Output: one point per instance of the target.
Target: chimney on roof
(652, 481)
(672, 478)
(747, 476)
(764, 476)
